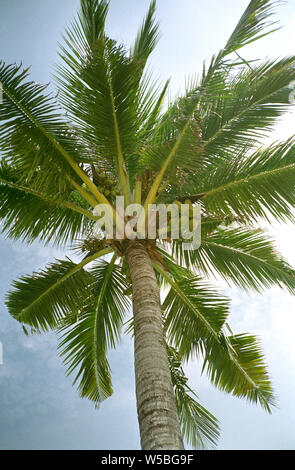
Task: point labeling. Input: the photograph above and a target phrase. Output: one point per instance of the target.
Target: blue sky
(39, 408)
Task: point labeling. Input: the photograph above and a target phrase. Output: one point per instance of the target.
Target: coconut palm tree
(110, 132)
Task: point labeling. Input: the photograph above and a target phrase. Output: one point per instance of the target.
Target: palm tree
(108, 133)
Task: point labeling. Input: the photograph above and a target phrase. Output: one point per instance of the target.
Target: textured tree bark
(156, 407)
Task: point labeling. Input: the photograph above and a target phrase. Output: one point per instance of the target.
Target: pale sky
(39, 408)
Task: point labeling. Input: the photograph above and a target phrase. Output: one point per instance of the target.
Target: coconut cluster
(105, 184)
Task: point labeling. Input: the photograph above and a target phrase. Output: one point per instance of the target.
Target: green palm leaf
(44, 299)
(192, 309)
(33, 133)
(147, 37)
(36, 139)
(199, 427)
(253, 186)
(21, 206)
(92, 19)
(84, 344)
(247, 108)
(101, 88)
(79, 349)
(254, 24)
(234, 364)
(244, 257)
(238, 368)
(212, 89)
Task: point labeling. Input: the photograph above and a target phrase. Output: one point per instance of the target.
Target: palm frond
(238, 368)
(191, 309)
(33, 133)
(21, 206)
(84, 344)
(176, 143)
(255, 186)
(152, 99)
(104, 90)
(100, 93)
(147, 36)
(79, 348)
(92, 17)
(177, 252)
(234, 363)
(35, 137)
(252, 24)
(255, 23)
(244, 257)
(199, 427)
(44, 299)
(247, 107)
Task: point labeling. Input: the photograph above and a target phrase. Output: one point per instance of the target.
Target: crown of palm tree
(109, 133)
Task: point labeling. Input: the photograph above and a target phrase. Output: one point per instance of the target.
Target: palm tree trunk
(156, 407)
